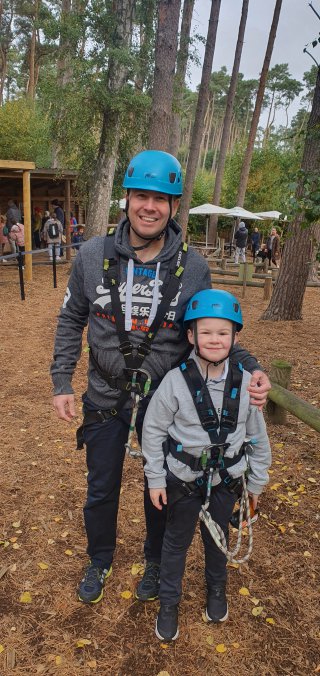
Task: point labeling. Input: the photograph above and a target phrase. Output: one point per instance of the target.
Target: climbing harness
(135, 381)
(213, 456)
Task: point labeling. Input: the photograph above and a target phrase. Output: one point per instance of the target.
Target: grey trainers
(91, 586)
(217, 605)
(148, 587)
(167, 623)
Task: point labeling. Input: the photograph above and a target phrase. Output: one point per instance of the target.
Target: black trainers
(217, 605)
(91, 586)
(167, 623)
(148, 587)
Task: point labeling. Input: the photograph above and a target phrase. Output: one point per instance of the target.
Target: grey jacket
(87, 301)
(172, 411)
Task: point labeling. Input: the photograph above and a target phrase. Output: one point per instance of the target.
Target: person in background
(77, 236)
(3, 237)
(17, 235)
(241, 238)
(73, 223)
(59, 214)
(37, 222)
(255, 242)
(273, 247)
(13, 215)
(52, 233)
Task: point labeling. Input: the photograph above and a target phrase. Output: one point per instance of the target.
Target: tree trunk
(258, 105)
(64, 74)
(182, 60)
(101, 188)
(314, 263)
(287, 297)
(227, 120)
(32, 58)
(165, 62)
(200, 113)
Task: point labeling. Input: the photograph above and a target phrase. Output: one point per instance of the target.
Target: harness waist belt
(196, 464)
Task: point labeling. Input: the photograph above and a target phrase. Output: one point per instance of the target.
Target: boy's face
(214, 338)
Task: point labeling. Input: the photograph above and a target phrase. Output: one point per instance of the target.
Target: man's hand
(63, 405)
(258, 388)
(156, 494)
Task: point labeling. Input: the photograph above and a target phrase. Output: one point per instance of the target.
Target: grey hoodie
(172, 411)
(87, 300)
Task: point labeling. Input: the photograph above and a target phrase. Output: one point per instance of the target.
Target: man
(132, 289)
(255, 242)
(241, 237)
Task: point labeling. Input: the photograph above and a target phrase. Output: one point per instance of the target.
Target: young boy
(202, 403)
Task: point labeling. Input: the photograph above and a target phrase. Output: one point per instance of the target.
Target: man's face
(149, 211)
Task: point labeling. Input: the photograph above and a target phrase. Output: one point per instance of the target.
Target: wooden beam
(12, 164)
(27, 224)
(298, 407)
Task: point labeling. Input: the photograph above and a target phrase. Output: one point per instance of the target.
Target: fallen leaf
(82, 642)
(57, 519)
(163, 673)
(278, 445)
(1, 649)
(233, 565)
(210, 640)
(270, 620)
(13, 539)
(204, 617)
(135, 520)
(26, 597)
(254, 600)
(275, 487)
(221, 648)
(16, 524)
(58, 660)
(257, 611)
(307, 555)
(126, 594)
(137, 569)
(92, 664)
(65, 534)
(43, 566)
(16, 546)
(235, 645)
(244, 591)
(69, 552)
(282, 528)
(312, 480)
(164, 646)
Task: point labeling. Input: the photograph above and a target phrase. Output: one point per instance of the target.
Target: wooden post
(244, 283)
(67, 213)
(265, 265)
(222, 247)
(223, 264)
(280, 374)
(27, 223)
(267, 288)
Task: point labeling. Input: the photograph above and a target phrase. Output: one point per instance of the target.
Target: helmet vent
(236, 307)
(172, 176)
(194, 304)
(130, 171)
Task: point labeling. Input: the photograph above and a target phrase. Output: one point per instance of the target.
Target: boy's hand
(63, 405)
(258, 388)
(156, 494)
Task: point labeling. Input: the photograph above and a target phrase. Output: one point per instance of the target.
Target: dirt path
(43, 490)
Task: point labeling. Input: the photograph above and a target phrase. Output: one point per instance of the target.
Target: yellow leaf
(232, 565)
(270, 620)
(16, 546)
(204, 617)
(236, 645)
(221, 648)
(257, 611)
(275, 487)
(34, 527)
(16, 524)
(65, 534)
(301, 489)
(1, 649)
(312, 480)
(244, 591)
(92, 664)
(58, 660)
(13, 539)
(282, 528)
(82, 642)
(43, 566)
(135, 520)
(57, 519)
(163, 673)
(307, 555)
(126, 594)
(26, 597)
(254, 600)
(68, 552)
(278, 445)
(137, 569)
(210, 640)
(164, 646)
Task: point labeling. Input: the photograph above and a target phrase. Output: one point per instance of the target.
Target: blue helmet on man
(216, 304)
(154, 170)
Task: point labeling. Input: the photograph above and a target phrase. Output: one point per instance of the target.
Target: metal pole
(21, 280)
(54, 266)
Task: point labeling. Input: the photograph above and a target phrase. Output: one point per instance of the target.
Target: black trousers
(105, 455)
(182, 520)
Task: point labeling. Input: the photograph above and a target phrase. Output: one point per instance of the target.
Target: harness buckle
(126, 347)
(103, 415)
(144, 349)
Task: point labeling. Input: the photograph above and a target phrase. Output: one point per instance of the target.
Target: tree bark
(101, 187)
(182, 61)
(165, 62)
(287, 297)
(32, 58)
(258, 105)
(227, 120)
(200, 114)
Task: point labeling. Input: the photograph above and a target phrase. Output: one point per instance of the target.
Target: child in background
(77, 236)
(17, 236)
(177, 466)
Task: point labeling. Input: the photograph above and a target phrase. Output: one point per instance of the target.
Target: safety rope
(216, 531)
(136, 401)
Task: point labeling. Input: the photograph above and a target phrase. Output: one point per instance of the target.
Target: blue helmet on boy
(216, 304)
(154, 170)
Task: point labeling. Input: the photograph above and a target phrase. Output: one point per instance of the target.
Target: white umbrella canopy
(239, 212)
(208, 209)
(270, 215)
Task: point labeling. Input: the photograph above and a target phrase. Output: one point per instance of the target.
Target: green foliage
(25, 133)
(202, 193)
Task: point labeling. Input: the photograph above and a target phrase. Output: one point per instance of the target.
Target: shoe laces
(151, 573)
(91, 574)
